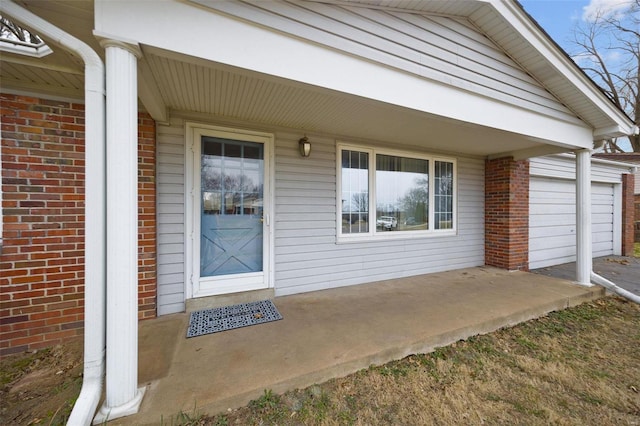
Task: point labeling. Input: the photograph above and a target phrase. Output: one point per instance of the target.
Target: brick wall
(628, 214)
(637, 218)
(507, 213)
(42, 258)
(147, 284)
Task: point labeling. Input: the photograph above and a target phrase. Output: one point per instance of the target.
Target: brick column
(637, 219)
(507, 213)
(147, 265)
(628, 214)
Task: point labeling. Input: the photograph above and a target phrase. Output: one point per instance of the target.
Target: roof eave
(621, 124)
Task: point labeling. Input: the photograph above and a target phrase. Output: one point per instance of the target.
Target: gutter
(95, 216)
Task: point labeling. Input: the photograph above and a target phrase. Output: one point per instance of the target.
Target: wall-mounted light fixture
(305, 146)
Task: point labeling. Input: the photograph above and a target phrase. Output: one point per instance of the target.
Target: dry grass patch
(579, 366)
(574, 367)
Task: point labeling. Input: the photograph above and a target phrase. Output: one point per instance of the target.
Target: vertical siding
(171, 164)
(307, 256)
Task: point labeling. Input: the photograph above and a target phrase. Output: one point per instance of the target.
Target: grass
(578, 366)
(636, 250)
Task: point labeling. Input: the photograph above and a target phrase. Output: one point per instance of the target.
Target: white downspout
(584, 263)
(95, 218)
(614, 288)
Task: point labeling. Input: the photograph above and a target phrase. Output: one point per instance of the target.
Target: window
(355, 192)
(391, 193)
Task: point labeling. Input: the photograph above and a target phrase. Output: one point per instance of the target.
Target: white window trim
(373, 235)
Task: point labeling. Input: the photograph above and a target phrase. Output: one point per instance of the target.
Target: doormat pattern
(229, 317)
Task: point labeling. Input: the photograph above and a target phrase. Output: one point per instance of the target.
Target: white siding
(564, 167)
(447, 50)
(170, 178)
(307, 256)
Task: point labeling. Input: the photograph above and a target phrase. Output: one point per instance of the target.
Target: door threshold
(218, 301)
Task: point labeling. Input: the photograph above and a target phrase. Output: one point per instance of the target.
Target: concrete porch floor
(333, 333)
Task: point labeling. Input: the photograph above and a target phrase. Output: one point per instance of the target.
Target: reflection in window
(402, 193)
(410, 194)
(355, 192)
(443, 199)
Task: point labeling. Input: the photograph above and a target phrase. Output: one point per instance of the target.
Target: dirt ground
(40, 388)
(574, 367)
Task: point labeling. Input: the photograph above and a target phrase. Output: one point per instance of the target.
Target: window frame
(373, 234)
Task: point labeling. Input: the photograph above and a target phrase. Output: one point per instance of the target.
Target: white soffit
(191, 84)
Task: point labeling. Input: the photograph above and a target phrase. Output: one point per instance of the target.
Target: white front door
(230, 210)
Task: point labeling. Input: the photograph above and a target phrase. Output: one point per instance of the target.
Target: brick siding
(507, 214)
(628, 214)
(147, 284)
(42, 258)
(637, 218)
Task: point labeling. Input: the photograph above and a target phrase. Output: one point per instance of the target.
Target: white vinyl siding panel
(564, 167)
(307, 256)
(170, 193)
(444, 49)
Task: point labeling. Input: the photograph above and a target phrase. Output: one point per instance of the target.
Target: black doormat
(229, 317)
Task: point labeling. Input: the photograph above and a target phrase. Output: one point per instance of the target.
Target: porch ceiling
(192, 85)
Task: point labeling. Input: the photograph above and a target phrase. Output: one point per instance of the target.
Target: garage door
(552, 221)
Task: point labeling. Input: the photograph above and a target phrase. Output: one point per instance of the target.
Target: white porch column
(583, 217)
(122, 394)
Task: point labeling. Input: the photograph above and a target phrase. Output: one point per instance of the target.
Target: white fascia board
(558, 59)
(222, 39)
(611, 132)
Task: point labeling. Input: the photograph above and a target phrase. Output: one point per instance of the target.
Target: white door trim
(229, 283)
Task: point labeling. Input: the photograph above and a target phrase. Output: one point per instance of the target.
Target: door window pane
(402, 193)
(355, 192)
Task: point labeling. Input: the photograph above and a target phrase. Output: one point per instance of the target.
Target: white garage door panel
(553, 220)
(552, 229)
(552, 209)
